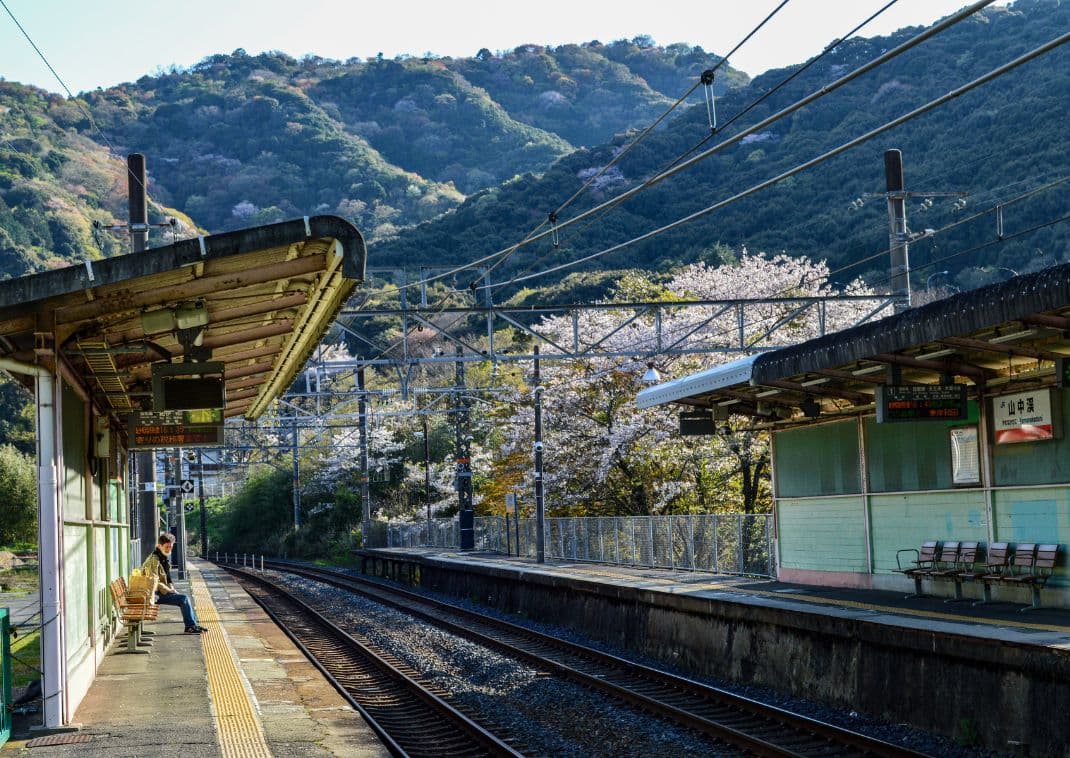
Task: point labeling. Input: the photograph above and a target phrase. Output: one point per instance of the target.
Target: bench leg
(958, 593)
(1036, 599)
(132, 642)
(986, 595)
(917, 588)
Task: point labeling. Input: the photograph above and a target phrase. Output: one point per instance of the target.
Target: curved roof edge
(726, 375)
(187, 252)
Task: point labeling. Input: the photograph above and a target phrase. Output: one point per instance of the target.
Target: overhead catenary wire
(669, 164)
(75, 100)
(553, 215)
(817, 94)
(783, 113)
(959, 91)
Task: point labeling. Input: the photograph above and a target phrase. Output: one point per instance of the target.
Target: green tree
(18, 497)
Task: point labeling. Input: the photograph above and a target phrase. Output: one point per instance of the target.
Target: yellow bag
(142, 585)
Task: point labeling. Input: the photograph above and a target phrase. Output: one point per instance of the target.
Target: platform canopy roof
(993, 339)
(258, 300)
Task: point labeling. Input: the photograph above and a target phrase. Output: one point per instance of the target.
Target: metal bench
(1038, 571)
(924, 562)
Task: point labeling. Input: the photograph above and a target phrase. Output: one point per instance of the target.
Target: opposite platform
(987, 672)
(241, 689)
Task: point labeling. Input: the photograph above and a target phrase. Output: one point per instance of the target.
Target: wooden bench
(924, 562)
(133, 610)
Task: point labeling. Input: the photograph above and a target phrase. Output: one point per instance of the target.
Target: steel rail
(410, 719)
(756, 727)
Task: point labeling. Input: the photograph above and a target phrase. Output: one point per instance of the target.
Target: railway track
(744, 724)
(409, 718)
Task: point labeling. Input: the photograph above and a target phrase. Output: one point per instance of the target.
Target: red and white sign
(1025, 417)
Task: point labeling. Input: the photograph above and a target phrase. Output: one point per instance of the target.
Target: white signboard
(1024, 417)
(965, 461)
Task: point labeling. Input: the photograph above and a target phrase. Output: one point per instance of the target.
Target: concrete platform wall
(946, 684)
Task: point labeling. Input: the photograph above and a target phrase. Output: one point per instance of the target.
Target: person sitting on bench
(158, 564)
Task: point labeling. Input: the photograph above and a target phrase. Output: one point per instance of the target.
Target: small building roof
(1003, 335)
(269, 294)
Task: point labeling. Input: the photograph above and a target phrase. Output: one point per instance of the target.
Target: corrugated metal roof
(959, 314)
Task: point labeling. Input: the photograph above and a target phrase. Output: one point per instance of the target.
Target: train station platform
(988, 672)
(241, 689)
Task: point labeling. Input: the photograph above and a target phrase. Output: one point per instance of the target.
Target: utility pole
(465, 516)
(540, 515)
(144, 460)
(427, 473)
(296, 474)
(899, 236)
(204, 513)
(365, 489)
(897, 230)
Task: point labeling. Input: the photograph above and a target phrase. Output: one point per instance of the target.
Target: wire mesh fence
(733, 543)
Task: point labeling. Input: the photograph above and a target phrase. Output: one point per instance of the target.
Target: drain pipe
(49, 545)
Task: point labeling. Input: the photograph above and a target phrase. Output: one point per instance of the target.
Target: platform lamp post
(204, 513)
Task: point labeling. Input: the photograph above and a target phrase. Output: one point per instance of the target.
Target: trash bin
(5, 676)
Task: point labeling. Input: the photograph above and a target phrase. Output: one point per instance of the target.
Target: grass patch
(20, 580)
(25, 659)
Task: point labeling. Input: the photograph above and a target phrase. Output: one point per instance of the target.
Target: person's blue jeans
(183, 602)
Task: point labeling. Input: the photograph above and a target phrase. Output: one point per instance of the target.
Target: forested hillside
(993, 143)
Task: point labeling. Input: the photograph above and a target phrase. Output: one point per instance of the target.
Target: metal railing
(733, 543)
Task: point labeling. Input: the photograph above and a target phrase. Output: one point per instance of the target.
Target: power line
(666, 166)
(984, 79)
(76, 101)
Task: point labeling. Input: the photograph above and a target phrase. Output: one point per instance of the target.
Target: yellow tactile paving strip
(671, 584)
(241, 735)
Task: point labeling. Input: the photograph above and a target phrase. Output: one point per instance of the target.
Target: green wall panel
(76, 556)
(1036, 515)
(74, 440)
(822, 534)
(898, 522)
(1046, 462)
(818, 460)
(907, 456)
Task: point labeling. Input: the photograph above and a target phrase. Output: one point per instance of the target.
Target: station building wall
(95, 537)
(849, 494)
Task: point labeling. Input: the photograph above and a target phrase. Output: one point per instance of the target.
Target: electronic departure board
(202, 428)
(921, 402)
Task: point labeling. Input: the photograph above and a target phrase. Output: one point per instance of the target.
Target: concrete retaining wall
(965, 687)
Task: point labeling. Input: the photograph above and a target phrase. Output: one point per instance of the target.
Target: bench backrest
(1046, 557)
(118, 595)
(1024, 555)
(949, 553)
(969, 553)
(927, 554)
(998, 553)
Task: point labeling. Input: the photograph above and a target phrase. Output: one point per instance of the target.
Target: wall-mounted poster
(1024, 417)
(965, 461)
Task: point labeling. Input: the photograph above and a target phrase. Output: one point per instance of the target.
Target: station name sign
(921, 402)
(200, 428)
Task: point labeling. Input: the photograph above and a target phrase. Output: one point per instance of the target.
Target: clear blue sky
(104, 42)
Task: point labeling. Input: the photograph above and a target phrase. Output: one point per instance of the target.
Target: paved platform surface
(1006, 622)
(243, 689)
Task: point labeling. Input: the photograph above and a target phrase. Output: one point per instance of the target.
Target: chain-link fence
(726, 544)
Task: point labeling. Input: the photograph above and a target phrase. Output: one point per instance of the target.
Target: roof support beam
(824, 391)
(990, 347)
(975, 373)
(123, 299)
